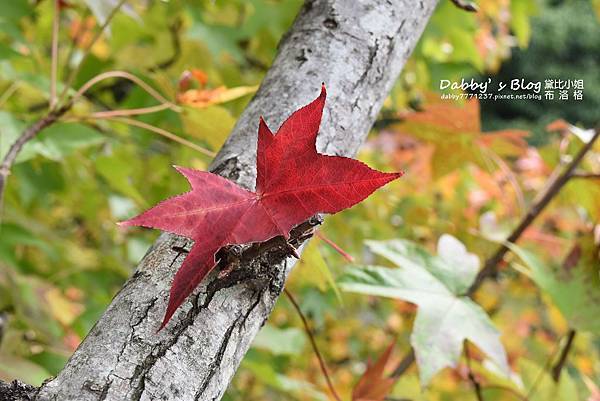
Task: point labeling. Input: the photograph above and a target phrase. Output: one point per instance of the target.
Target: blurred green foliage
(62, 258)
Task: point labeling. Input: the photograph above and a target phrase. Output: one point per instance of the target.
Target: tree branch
(589, 176)
(533, 212)
(25, 137)
(358, 50)
(16, 391)
(557, 368)
(472, 378)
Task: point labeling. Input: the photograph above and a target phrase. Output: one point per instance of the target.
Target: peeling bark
(358, 49)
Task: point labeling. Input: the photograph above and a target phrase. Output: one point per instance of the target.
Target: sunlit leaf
(540, 387)
(211, 124)
(455, 131)
(574, 288)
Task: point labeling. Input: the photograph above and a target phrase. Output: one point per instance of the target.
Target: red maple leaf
(293, 183)
(373, 385)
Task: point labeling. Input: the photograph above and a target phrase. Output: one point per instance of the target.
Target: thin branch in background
(88, 48)
(314, 344)
(543, 370)
(163, 132)
(54, 60)
(588, 176)
(404, 364)
(129, 112)
(126, 75)
(25, 137)
(335, 246)
(491, 263)
(533, 212)
(472, 378)
(557, 368)
(8, 93)
(75, 39)
(53, 115)
(465, 5)
(510, 176)
(174, 29)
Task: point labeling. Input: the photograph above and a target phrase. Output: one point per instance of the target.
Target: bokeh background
(472, 170)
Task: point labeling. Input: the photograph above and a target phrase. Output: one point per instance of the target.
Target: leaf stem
(75, 39)
(126, 75)
(313, 344)
(163, 132)
(335, 246)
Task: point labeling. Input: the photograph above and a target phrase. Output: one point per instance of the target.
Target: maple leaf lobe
(293, 183)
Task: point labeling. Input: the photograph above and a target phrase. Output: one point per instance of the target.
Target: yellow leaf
(201, 98)
(211, 124)
(313, 260)
(61, 308)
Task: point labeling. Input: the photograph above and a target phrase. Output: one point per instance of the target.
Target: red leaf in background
(558, 125)
(466, 119)
(293, 183)
(373, 385)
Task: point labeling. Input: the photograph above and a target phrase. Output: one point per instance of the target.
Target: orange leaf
(200, 76)
(448, 115)
(201, 98)
(505, 142)
(455, 132)
(558, 125)
(81, 31)
(373, 385)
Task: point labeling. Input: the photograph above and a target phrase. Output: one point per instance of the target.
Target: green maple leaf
(446, 317)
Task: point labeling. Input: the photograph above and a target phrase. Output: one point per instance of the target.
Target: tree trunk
(358, 49)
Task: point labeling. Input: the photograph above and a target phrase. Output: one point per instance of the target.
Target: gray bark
(358, 49)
